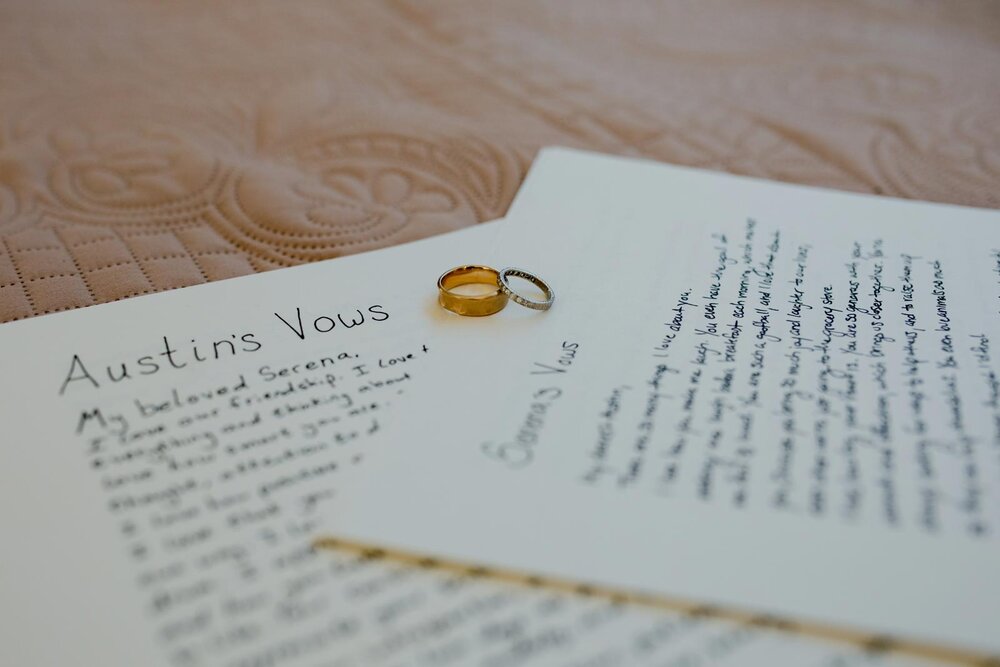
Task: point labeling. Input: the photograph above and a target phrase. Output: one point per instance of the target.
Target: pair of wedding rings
(479, 305)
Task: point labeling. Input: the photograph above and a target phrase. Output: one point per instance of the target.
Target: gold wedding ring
(504, 282)
(477, 305)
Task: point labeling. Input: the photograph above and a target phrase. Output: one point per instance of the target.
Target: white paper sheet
(173, 527)
(167, 515)
(762, 396)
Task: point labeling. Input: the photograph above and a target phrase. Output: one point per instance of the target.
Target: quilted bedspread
(148, 145)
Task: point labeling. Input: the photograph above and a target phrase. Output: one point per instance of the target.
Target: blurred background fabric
(146, 145)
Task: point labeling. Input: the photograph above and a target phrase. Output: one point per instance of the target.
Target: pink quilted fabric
(149, 145)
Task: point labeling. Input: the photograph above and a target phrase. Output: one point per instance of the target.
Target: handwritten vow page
(754, 395)
(165, 461)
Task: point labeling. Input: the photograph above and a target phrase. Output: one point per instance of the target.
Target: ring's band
(502, 280)
(472, 305)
